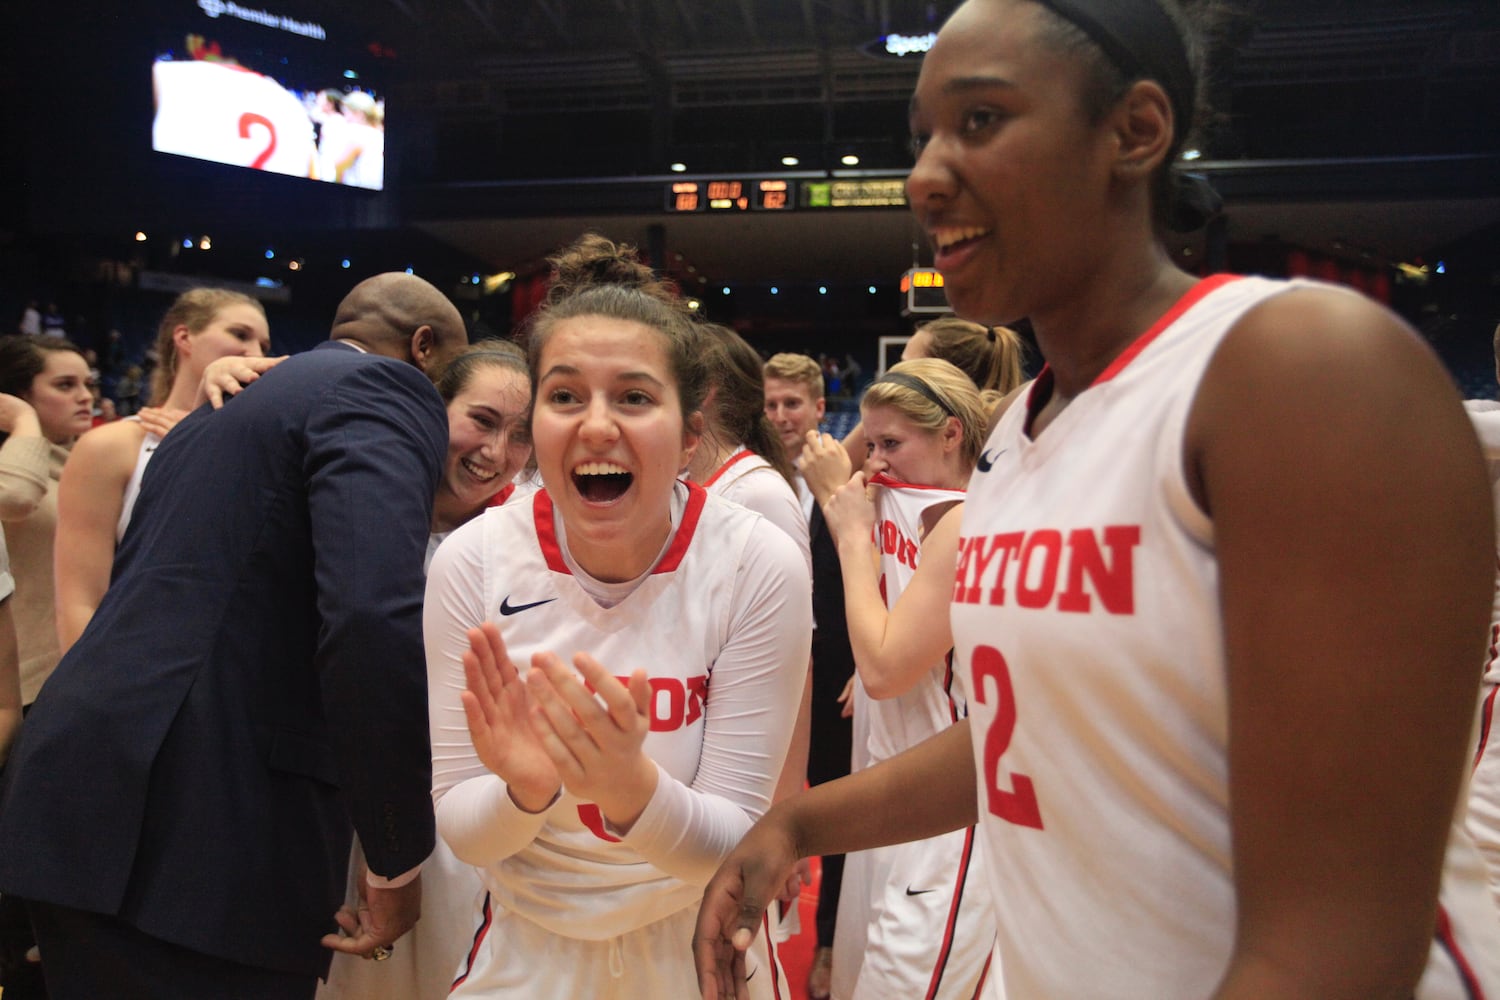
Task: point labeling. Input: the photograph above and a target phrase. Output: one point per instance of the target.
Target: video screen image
(266, 104)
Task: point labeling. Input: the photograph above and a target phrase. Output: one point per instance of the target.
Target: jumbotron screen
(262, 88)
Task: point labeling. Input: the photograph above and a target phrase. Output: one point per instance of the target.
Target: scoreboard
(922, 292)
(729, 196)
(779, 195)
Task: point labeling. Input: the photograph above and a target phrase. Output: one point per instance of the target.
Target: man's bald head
(401, 316)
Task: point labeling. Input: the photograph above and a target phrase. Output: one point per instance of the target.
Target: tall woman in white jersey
(1223, 582)
(99, 484)
(620, 719)
(913, 919)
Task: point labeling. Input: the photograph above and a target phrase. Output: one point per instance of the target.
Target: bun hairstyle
(927, 391)
(1122, 41)
(737, 412)
(597, 277)
(194, 309)
(993, 356)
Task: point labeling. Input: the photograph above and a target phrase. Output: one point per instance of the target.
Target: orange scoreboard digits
(729, 195)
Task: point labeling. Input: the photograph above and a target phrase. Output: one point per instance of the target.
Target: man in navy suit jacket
(178, 807)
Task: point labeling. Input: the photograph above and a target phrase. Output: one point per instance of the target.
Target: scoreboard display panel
(729, 195)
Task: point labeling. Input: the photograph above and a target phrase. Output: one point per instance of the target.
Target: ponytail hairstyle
(1122, 41)
(737, 410)
(194, 309)
(994, 357)
(927, 391)
(598, 277)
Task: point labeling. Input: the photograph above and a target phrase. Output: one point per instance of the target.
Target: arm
(24, 459)
(893, 649)
(90, 496)
(758, 679)
(1355, 585)
(478, 816)
(925, 791)
(375, 443)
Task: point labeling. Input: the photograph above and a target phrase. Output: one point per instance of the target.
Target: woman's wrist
(531, 800)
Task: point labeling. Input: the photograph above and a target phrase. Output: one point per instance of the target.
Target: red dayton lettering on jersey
(1025, 568)
(674, 702)
(893, 543)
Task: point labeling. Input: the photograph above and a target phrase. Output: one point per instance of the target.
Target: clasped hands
(553, 728)
(840, 490)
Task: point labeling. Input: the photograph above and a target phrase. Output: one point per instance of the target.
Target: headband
(1143, 41)
(917, 386)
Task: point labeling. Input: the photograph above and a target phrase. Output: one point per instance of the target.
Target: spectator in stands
(31, 320)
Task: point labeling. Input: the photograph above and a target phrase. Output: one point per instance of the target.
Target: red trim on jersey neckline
(1191, 298)
(734, 459)
(499, 498)
(1041, 386)
(543, 512)
(881, 479)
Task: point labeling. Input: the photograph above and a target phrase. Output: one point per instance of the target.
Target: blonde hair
(194, 309)
(797, 368)
(927, 391)
(993, 356)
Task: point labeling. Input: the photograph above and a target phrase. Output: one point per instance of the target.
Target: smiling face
(487, 442)
(610, 440)
(61, 396)
(1011, 177)
(911, 453)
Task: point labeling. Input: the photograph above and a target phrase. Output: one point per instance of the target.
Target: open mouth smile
(601, 482)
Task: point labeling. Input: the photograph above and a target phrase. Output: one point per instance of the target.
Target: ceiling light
(205, 244)
(822, 289)
(140, 237)
(789, 161)
(1192, 154)
(850, 161)
(775, 290)
(872, 289)
(678, 168)
(726, 289)
(344, 263)
(270, 254)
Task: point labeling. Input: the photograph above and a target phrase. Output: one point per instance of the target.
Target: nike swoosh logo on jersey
(985, 462)
(917, 892)
(507, 608)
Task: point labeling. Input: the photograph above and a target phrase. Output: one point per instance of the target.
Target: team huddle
(424, 668)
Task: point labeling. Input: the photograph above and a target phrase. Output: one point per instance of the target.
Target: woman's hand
(734, 903)
(850, 512)
(593, 728)
(18, 417)
(497, 706)
(228, 375)
(824, 465)
(846, 699)
(160, 419)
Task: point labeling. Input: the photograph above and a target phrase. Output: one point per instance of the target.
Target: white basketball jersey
(752, 482)
(681, 623)
(931, 705)
(1087, 626)
(215, 111)
(1484, 782)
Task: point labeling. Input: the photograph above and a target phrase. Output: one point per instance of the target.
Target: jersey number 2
(1016, 804)
(251, 118)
